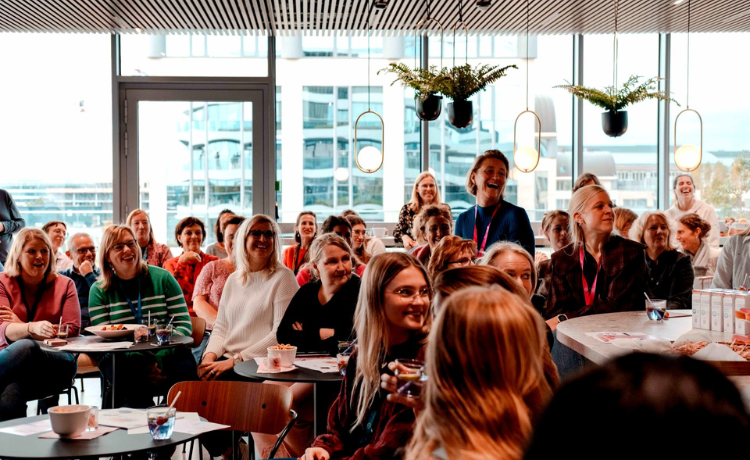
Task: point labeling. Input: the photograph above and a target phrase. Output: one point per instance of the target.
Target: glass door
(196, 156)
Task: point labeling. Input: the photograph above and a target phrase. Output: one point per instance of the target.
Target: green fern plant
(613, 99)
(423, 81)
(462, 82)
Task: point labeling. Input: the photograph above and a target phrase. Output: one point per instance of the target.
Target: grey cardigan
(733, 264)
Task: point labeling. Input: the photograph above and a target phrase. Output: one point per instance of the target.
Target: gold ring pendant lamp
(526, 158)
(687, 158)
(369, 159)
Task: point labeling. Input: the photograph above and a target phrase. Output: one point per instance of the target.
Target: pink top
(210, 282)
(60, 297)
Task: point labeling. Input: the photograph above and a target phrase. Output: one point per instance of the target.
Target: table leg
(315, 410)
(113, 379)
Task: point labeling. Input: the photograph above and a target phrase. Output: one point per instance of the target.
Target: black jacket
(670, 278)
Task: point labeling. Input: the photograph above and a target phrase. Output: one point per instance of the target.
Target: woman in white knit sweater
(255, 298)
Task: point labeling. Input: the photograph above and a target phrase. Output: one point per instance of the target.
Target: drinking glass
(93, 423)
(343, 359)
(140, 334)
(152, 327)
(344, 345)
(410, 375)
(656, 309)
(161, 422)
(164, 334)
(61, 331)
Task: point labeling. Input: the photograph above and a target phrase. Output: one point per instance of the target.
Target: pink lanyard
(487, 232)
(589, 295)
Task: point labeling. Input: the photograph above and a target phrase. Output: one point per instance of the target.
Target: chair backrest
(199, 328)
(245, 406)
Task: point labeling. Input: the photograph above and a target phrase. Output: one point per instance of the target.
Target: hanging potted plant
(460, 83)
(615, 119)
(428, 103)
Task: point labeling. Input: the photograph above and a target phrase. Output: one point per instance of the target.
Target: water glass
(152, 327)
(410, 375)
(140, 334)
(61, 331)
(164, 334)
(93, 423)
(656, 309)
(343, 359)
(161, 422)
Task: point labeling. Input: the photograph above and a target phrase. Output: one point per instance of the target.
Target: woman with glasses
(253, 303)
(392, 321)
(451, 252)
(152, 253)
(364, 246)
(130, 291)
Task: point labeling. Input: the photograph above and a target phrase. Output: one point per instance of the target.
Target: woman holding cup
(391, 321)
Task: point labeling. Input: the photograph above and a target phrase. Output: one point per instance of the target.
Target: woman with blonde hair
(431, 225)
(153, 253)
(556, 228)
(624, 219)
(486, 384)
(391, 321)
(692, 234)
(670, 274)
(451, 252)
(733, 267)
(425, 192)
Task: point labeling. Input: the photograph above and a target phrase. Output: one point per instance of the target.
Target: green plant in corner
(613, 99)
(423, 81)
(461, 82)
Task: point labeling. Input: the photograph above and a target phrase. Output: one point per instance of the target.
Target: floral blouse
(157, 254)
(211, 280)
(187, 274)
(405, 221)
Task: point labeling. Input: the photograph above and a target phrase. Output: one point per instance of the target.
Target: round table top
(115, 443)
(151, 345)
(249, 369)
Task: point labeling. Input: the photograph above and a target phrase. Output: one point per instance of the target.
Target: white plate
(126, 331)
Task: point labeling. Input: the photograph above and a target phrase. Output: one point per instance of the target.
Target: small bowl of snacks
(115, 331)
(282, 354)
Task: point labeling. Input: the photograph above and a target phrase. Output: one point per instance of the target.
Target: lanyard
(31, 312)
(138, 314)
(589, 295)
(480, 250)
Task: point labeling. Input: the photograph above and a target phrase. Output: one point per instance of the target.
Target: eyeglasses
(409, 295)
(83, 251)
(269, 234)
(120, 246)
(462, 261)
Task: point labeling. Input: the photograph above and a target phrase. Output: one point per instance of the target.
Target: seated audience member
(305, 231)
(624, 219)
(82, 252)
(556, 228)
(218, 249)
(129, 291)
(57, 231)
(364, 246)
(322, 312)
(516, 262)
(451, 252)
(152, 253)
(210, 284)
(634, 393)
(253, 303)
(670, 274)
(340, 226)
(190, 233)
(424, 193)
(493, 219)
(692, 234)
(34, 300)
(733, 267)
(391, 321)
(11, 222)
(584, 180)
(433, 223)
(686, 203)
(480, 329)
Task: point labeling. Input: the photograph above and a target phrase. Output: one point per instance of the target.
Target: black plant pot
(615, 124)
(430, 108)
(461, 113)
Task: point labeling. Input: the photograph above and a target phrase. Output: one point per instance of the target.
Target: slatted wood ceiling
(286, 17)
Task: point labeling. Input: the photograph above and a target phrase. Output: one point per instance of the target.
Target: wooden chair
(244, 406)
(199, 328)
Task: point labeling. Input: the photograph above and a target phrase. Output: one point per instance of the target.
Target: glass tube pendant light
(688, 157)
(370, 158)
(526, 158)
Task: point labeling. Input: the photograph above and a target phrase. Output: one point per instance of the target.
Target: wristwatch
(237, 358)
(561, 318)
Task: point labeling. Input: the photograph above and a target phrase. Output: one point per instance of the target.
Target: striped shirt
(161, 296)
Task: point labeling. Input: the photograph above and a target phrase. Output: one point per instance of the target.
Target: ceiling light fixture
(526, 158)
(688, 157)
(484, 4)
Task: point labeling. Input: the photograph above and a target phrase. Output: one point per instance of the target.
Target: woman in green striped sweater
(128, 291)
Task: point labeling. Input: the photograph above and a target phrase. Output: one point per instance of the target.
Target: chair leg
(75, 391)
(82, 390)
(190, 455)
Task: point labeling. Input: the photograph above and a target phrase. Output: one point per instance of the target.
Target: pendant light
(369, 159)
(526, 158)
(688, 157)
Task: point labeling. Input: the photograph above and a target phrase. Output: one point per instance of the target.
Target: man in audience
(82, 252)
(10, 222)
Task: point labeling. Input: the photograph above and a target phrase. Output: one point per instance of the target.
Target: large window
(56, 135)
(718, 82)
